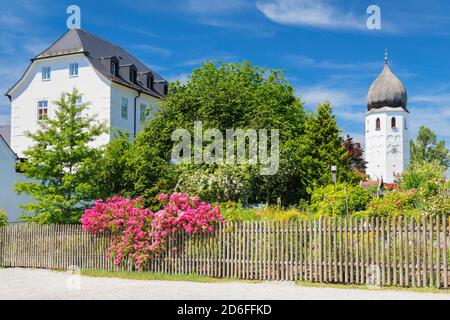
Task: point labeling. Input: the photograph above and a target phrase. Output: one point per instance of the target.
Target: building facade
(386, 128)
(121, 90)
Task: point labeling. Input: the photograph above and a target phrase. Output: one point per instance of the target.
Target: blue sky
(323, 45)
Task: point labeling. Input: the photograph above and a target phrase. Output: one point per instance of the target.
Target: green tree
(59, 163)
(109, 169)
(425, 177)
(323, 144)
(427, 148)
(224, 96)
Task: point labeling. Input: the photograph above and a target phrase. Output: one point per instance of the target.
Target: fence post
(445, 236)
(2, 245)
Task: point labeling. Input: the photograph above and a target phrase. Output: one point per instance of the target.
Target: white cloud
(182, 77)
(215, 6)
(312, 13)
(305, 61)
(153, 49)
(199, 61)
(340, 98)
(431, 109)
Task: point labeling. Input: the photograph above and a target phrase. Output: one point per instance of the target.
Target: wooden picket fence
(378, 251)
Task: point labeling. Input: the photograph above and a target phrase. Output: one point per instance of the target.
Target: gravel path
(44, 284)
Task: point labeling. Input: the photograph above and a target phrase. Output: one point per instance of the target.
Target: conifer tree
(325, 148)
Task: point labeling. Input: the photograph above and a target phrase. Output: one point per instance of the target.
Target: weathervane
(385, 56)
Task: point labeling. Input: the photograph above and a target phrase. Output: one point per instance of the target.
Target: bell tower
(386, 127)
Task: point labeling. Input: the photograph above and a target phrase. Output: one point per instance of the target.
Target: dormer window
(150, 81)
(133, 75)
(114, 68)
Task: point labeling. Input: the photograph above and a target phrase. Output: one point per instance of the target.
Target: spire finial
(385, 56)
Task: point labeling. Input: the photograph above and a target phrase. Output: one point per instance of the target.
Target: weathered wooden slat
(444, 249)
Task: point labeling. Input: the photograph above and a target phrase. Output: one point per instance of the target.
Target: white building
(387, 134)
(121, 91)
(119, 87)
(9, 200)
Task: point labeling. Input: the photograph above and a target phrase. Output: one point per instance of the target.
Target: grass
(364, 287)
(134, 275)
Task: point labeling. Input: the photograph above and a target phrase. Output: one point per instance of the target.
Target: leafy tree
(224, 96)
(427, 148)
(58, 163)
(324, 146)
(426, 177)
(109, 169)
(355, 153)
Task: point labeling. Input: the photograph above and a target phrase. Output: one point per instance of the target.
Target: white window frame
(38, 108)
(143, 116)
(124, 108)
(73, 67)
(44, 73)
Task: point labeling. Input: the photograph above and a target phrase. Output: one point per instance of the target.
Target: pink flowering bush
(138, 233)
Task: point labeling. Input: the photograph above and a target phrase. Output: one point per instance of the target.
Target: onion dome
(387, 91)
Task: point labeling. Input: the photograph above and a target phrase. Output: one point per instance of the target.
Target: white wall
(9, 199)
(127, 125)
(382, 161)
(94, 88)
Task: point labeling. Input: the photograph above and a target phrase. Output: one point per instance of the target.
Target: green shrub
(3, 218)
(425, 177)
(232, 211)
(393, 204)
(331, 200)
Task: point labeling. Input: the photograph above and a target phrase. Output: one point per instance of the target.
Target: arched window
(393, 122)
(378, 124)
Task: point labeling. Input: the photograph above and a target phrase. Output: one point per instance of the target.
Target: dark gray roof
(96, 50)
(387, 91)
(5, 132)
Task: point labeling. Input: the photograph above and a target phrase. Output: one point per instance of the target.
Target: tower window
(378, 124)
(406, 126)
(393, 123)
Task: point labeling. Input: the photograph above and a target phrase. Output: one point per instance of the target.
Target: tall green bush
(333, 200)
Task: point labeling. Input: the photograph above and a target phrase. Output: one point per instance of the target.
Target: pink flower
(139, 234)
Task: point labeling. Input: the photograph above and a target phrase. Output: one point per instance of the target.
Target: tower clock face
(394, 150)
